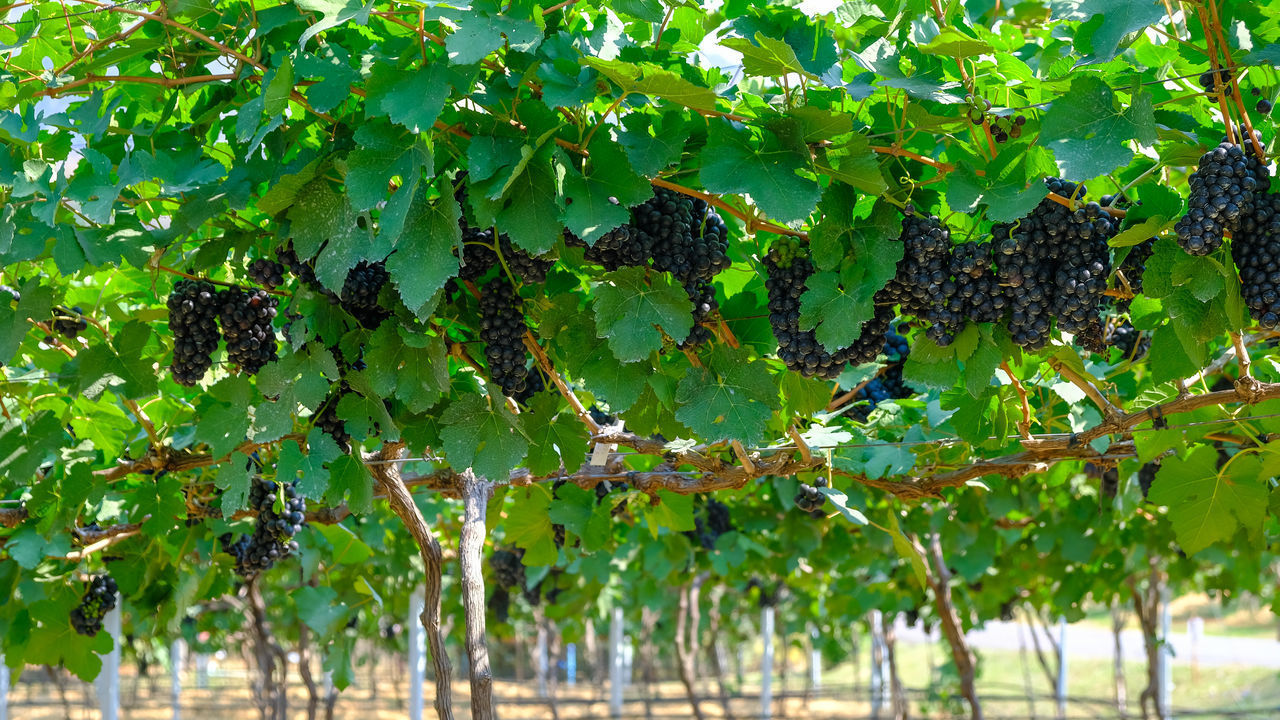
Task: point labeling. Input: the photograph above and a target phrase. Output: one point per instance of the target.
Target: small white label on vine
(600, 454)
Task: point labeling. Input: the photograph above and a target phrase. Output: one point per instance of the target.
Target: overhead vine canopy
(905, 246)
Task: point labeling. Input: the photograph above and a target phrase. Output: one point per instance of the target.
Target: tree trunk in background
(475, 500)
(521, 672)
(715, 651)
(387, 476)
(304, 670)
(270, 684)
(897, 694)
(56, 678)
(1028, 688)
(1119, 618)
(1147, 608)
(687, 648)
(939, 579)
(547, 638)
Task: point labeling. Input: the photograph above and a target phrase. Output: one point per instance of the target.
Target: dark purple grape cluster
(304, 270)
(1053, 263)
(194, 306)
(888, 385)
(68, 323)
(508, 569)
(1223, 190)
(1213, 81)
(1255, 247)
(1147, 475)
(326, 418)
(687, 237)
(98, 599)
(926, 249)
(502, 328)
(479, 258)
(360, 292)
(268, 273)
(702, 295)
(788, 269)
(710, 524)
(621, 247)
(969, 292)
(247, 317)
(810, 499)
(273, 532)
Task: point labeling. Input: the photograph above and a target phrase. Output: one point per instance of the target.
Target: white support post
(1166, 667)
(202, 671)
(1061, 689)
(4, 689)
(108, 681)
(877, 664)
(417, 653)
(543, 659)
(615, 664)
(177, 657)
(1195, 632)
(571, 664)
(815, 659)
(766, 663)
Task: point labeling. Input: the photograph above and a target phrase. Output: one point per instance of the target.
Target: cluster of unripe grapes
(1003, 127)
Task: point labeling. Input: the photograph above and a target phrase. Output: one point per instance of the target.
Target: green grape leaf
(731, 399)
(767, 57)
(349, 478)
(630, 306)
(480, 433)
(412, 99)
(553, 437)
(1113, 19)
(1207, 506)
(834, 310)
(424, 259)
(384, 152)
(1088, 134)
(732, 163)
(347, 548)
(320, 608)
(233, 479)
(528, 525)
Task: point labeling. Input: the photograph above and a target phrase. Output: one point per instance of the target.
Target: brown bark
(715, 652)
(475, 500)
(1118, 620)
(939, 579)
(1146, 606)
(686, 640)
(591, 644)
(897, 694)
(304, 669)
(387, 475)
(270, 684)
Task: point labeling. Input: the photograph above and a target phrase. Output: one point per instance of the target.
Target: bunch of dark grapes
(360, 292)
(810, 499)
(1213, 81)
(273, 532)
(969, 292)
(508, 569)
(1223, 190)
(686, 237)
(926, 253)
(502, 328)
(1255, 248)
(1082, 260)
(711, 524)
(304, 270)
(268, 273)
(787, 270)
(98, 599)
(194, 306)
(702, 294)
(500, 604)
(621, 247)
(326, 418)
(1147, 475)
(1053, 263)
(246, 326)
(1264, 106)
(478, 257)
(69, 323)
(888, 385)
(1108, 474)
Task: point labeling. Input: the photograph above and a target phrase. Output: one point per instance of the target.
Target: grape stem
(1024, 427)
(1089, 389)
